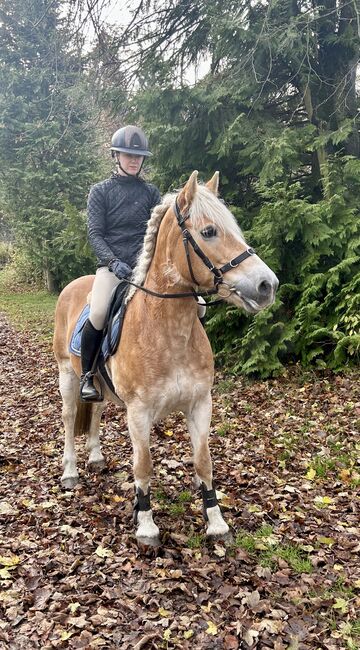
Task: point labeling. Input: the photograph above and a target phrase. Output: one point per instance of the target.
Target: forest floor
(286, 458)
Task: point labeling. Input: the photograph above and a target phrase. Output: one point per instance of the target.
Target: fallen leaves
(9, 560)
(104, 552)
(6, 508)
(211, 628)
(287, 478)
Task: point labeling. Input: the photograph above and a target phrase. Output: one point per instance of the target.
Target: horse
(164, 361)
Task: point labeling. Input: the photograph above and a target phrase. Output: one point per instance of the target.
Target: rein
(217, 272)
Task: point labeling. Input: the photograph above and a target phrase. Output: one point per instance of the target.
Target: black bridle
(217, 272)
(189, 239)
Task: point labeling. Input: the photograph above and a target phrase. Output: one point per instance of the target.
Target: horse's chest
(178, 392)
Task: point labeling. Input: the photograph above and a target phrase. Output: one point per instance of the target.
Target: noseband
(189, 239)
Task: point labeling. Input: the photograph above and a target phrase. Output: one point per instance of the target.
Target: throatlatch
(209, 498)
(141, 503)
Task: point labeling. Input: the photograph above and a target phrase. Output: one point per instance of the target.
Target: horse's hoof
(144, 542)
(227, 538)
(69, 483)
(97, 466)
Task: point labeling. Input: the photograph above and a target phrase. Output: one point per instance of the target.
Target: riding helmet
(130, 139)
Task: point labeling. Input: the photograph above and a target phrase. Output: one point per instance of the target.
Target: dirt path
(286, 456)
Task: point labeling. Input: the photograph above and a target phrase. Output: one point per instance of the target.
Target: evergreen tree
(47, 149)
(278, 115)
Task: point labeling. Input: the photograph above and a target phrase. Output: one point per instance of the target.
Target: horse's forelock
(204, 205)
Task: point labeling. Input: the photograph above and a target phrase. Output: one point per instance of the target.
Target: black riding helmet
(130, 139)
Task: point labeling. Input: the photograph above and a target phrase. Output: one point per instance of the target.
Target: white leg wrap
(146, 526)
(216, 525)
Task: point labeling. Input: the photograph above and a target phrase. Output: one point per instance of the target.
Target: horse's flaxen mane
(146, 255)
(204, 205)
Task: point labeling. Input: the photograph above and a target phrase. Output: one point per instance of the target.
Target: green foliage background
(47, 153)
(277, 113)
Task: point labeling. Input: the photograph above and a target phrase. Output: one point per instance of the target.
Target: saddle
(111, 333)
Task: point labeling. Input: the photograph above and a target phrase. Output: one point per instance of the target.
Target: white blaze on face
(253, 283)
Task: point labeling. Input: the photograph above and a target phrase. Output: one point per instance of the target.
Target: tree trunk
(49, 280)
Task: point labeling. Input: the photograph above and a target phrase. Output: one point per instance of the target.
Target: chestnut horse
(164, 361)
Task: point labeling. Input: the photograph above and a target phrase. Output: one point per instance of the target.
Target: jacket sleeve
(156, 197)
(96, 210)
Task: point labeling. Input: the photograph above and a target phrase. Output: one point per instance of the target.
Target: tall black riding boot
(90, 342)
(202, 320)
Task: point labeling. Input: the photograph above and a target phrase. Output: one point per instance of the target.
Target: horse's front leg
(139, 423)
(198, 419)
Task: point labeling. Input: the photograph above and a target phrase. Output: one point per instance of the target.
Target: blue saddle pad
(108, 347)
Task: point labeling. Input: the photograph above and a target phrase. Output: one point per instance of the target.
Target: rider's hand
(119, 268)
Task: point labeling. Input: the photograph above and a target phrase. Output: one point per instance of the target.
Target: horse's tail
(83, 418)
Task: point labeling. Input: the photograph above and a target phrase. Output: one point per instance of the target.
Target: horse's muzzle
(255, 296)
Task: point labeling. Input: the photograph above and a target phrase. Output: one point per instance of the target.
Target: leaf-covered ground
(286, 459)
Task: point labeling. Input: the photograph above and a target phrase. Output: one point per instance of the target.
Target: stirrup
(88, 392)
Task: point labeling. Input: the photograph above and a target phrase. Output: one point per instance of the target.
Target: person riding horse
(118, 211)
(164, 362)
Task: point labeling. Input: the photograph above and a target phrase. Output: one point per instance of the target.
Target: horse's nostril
(264, 288)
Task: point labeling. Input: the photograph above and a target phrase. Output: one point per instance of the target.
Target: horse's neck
(175, 314)
(179, 312)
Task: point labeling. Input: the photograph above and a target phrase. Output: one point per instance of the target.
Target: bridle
(189, 239)
(218, 273)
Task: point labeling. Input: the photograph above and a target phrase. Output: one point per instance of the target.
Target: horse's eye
(208, 232)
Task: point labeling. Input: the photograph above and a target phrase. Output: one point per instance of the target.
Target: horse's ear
(213, 184)
(188, 191)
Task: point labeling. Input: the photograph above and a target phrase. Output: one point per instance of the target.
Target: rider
(118, 211)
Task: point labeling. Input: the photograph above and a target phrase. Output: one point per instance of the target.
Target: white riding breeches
(104, 284)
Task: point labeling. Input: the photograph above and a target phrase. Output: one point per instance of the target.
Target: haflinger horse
(164, 361)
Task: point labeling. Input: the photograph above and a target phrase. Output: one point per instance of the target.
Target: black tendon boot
(90, 342)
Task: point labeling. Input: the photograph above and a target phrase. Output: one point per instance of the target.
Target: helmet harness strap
(118, 164)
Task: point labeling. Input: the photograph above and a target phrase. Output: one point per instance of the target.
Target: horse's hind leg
(69, 388)
(139, 424)
(198, 419)
(96, 461)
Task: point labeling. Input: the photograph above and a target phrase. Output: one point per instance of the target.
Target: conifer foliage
(278, 114)
(47, 161)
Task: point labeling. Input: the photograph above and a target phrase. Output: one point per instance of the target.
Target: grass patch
(185, 496)
(291, 554)
(30, 311)
(195, 541)
(246, 542)
(352, 634)
(225, 386)
(224, 429)
(286, 441)
(338, 589)
(177, 509)
(250, 542)
(266, 550)
(323, 465)
(161, 496)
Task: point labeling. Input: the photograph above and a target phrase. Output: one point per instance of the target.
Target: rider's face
(130, 163)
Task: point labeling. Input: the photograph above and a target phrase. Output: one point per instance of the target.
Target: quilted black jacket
(118, 212)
